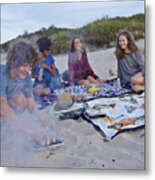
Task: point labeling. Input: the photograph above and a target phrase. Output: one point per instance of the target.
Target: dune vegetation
(100, 34)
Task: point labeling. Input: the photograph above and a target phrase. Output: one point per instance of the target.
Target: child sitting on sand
(130, 62)
(50, 75)
(80, 71)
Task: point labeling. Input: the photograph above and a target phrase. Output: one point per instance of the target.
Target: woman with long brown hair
(130, 62)
(80, 71)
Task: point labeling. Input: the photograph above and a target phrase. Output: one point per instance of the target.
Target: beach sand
(84, 146)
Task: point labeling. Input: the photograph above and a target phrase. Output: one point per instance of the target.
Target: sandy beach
(84, 146)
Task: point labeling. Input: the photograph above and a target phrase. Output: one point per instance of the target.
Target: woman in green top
(130, 62)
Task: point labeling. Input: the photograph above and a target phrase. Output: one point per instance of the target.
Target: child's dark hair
(44, 44)
(21, 54)
(131, 44)
(72, 49)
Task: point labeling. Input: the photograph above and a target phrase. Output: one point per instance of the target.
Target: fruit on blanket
(93, 89)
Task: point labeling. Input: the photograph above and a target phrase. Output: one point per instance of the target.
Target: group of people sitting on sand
(130, 65)
(16, 82)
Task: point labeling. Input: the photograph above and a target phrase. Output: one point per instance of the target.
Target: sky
(17, 18)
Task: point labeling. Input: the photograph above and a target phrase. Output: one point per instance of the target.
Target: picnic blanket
(112, 115)
(81, 93)
(44, 102)
(110, 108)
(108, 89)
(74, 107)
(73, 112)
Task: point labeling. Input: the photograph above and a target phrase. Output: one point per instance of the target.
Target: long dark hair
(21, 54)
(72, 49)
(131, 45)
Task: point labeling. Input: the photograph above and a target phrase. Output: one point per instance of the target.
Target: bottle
(118, 84)
(40, 77)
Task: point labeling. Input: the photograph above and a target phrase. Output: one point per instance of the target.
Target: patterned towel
(45, 101)
(108, 89)
(112, 115)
